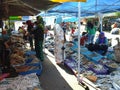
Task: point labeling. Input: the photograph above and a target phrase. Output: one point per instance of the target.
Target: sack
(117, 50)
(117, 53)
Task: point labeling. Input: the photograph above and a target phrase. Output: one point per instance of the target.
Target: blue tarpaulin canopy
(90, 7)
(56, 14)
(70, 19)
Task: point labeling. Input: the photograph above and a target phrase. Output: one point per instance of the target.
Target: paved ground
(54, 77)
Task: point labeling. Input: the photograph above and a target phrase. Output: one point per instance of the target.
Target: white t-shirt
(115, 31)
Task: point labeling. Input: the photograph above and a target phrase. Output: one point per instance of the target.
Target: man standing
(39, 37)
(29, 30)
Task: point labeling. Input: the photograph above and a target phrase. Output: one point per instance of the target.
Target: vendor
(101, 43)
(115, 29)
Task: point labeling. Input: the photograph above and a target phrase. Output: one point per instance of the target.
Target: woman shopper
(59, 40)
(91, 30)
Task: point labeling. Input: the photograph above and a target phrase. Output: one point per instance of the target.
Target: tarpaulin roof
(90, 7)
(43, 14)
(70, 19)
(24, 7)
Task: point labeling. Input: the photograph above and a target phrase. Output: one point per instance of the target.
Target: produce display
(95, 67)
(24, 63)
(98, 69)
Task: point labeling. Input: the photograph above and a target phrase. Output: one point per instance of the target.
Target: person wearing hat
(101, 43)
(38, 33)
(59, 40)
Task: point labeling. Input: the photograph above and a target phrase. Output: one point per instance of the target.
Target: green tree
(117, 14)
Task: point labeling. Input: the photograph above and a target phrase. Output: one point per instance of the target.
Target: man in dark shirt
(39, 37)
(29, 30)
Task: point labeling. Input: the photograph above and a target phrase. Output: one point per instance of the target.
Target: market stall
(19, 65)
(99, 70)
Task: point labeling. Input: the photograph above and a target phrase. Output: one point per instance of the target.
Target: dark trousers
(39, 49)
(102, 48)
(31, 41)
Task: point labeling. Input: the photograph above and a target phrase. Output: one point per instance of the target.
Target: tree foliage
(117, 14)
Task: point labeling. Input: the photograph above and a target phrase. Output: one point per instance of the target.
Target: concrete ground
(55, 77)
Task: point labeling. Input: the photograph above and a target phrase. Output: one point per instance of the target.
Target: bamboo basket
(117, 51)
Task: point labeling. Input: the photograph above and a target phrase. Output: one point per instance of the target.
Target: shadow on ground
(51, 79)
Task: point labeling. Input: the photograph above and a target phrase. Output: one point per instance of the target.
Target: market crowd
(90, 36)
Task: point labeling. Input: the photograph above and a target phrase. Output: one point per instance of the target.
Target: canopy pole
(79, 58)
(101, 25)
(44, 30)
(100, 20)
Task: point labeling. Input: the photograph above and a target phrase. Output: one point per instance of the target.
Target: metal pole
(101, 23)
(79, 59)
